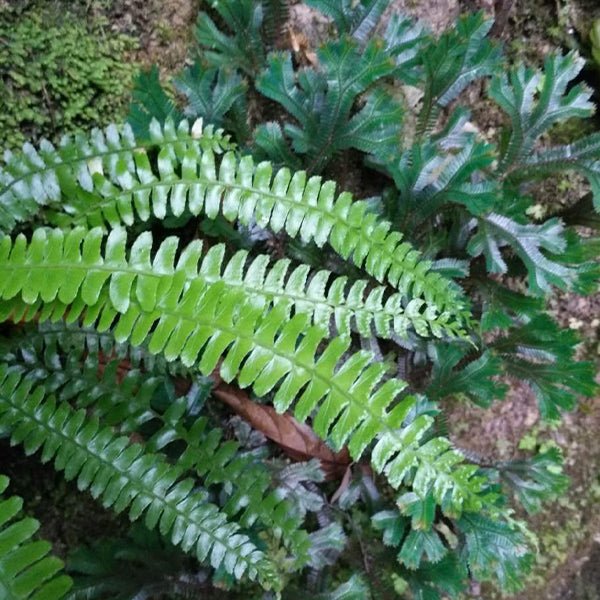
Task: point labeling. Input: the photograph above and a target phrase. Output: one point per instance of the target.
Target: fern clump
(340, 326)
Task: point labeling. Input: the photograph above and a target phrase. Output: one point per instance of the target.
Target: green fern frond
(125, 401)
(496, 550)
(215, 95)
(582, 156)
(321, 101)
(348, 397)
(473, 380)
(460, 56)
(244, 48)
(247, 488)
(27, 571)
(265, 286)
(542, 354)
(404, 39)
(535, 480)
(239, 190)
(126, 478)
(50, 175)
(74, 375)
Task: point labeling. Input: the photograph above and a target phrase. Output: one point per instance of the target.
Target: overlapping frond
(348, 396)
(189, 179)
(125, 477)
(27, 570)
(321, 296)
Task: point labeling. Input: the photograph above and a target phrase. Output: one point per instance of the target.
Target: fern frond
(50, 175)
(582, 156)
(126, 478)
(320, 298)
(528, 242)
(149, 102)
(27, 571)
(247, 489)
(460, 56)
(404, 39)
(473, 380)
(321, 101)
(216, 96)
(357, 19)
(542, 354)
(536, 100)
(74, 374)
(496, 550)
(241, 191)
(125, 401)
(244, 48)
(348, 397)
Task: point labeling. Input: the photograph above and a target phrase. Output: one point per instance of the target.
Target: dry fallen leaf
(296, 439)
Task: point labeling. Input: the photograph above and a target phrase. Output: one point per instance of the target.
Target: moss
(59, 73)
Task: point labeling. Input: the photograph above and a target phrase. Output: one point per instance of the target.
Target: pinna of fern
(27, 570)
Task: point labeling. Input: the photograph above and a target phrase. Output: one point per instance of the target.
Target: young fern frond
(49, 175)
(190, 179)
(27, 571)
(126, 478)
(348, 397)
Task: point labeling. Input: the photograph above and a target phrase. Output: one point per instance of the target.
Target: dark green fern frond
(217, 96)
(124, 477)
(542, 355)
(496, 550)
(86, 379)
(535, 480)
(438, 171)
(27, 571)
(529, 242)
(357, 19)
(582, 156)
(321, 101)
(460, 56)
(244, 47)
(247, 492)
(535, 100)
(473, 380)
(150, 102)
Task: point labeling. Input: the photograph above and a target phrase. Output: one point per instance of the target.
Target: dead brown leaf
(296, 439)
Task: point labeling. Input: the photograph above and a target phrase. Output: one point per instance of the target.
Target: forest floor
(568, 531)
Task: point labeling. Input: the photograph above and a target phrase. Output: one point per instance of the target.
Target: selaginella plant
(205, 253)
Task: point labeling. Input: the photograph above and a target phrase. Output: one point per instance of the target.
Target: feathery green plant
(360, 319)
